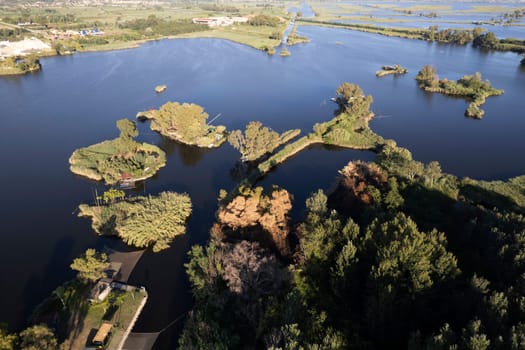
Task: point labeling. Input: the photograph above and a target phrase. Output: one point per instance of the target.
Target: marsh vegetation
(142, 221)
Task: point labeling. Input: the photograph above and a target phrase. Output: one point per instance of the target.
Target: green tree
(445, 339)
(393, 199)
(111, 195)
(256, 141)
(432, 172)
(38, 337)
(7, 341)
(128, 128)
(186, 122)
(477, 31)
(264, 20)
(276, 36)
(90, 265)
(486, 41)
(517, 336)
(203, 332)
(406, 264)
(473, 338)
(432, 33)
(353, 100)
(408, 259)
(156, 221)
(317, 203)
(427, 77)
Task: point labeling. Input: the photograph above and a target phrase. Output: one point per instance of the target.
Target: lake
(75, 101)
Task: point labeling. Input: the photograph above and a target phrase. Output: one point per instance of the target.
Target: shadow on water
(49, 279)
(162, 308)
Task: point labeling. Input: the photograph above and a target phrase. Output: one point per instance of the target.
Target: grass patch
(257, 37)
(118, 159)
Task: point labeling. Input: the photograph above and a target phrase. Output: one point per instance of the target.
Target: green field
(127, 26)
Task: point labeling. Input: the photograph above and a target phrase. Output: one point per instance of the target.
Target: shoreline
(404, 33)
(129, 46)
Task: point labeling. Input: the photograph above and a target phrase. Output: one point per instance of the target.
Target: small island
(143, 222)
(470, 87)
(285, 52)
(18, 65)
(387, 70)
(160, 88)
(121, 160)
(185, 123)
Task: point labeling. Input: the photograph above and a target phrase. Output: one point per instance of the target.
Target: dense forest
(398, 256)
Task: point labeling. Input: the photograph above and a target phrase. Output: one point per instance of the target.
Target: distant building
(219, 21)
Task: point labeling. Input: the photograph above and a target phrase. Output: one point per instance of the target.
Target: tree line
(398, 255)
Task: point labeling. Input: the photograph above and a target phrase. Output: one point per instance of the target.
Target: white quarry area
(22, 47)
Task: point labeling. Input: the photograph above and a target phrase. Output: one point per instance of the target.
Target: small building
(101, 290)
(220, 21)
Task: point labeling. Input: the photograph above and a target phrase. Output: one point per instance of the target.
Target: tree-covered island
(471, 87)
(185, 123)
(119, 159)
(142, 221)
